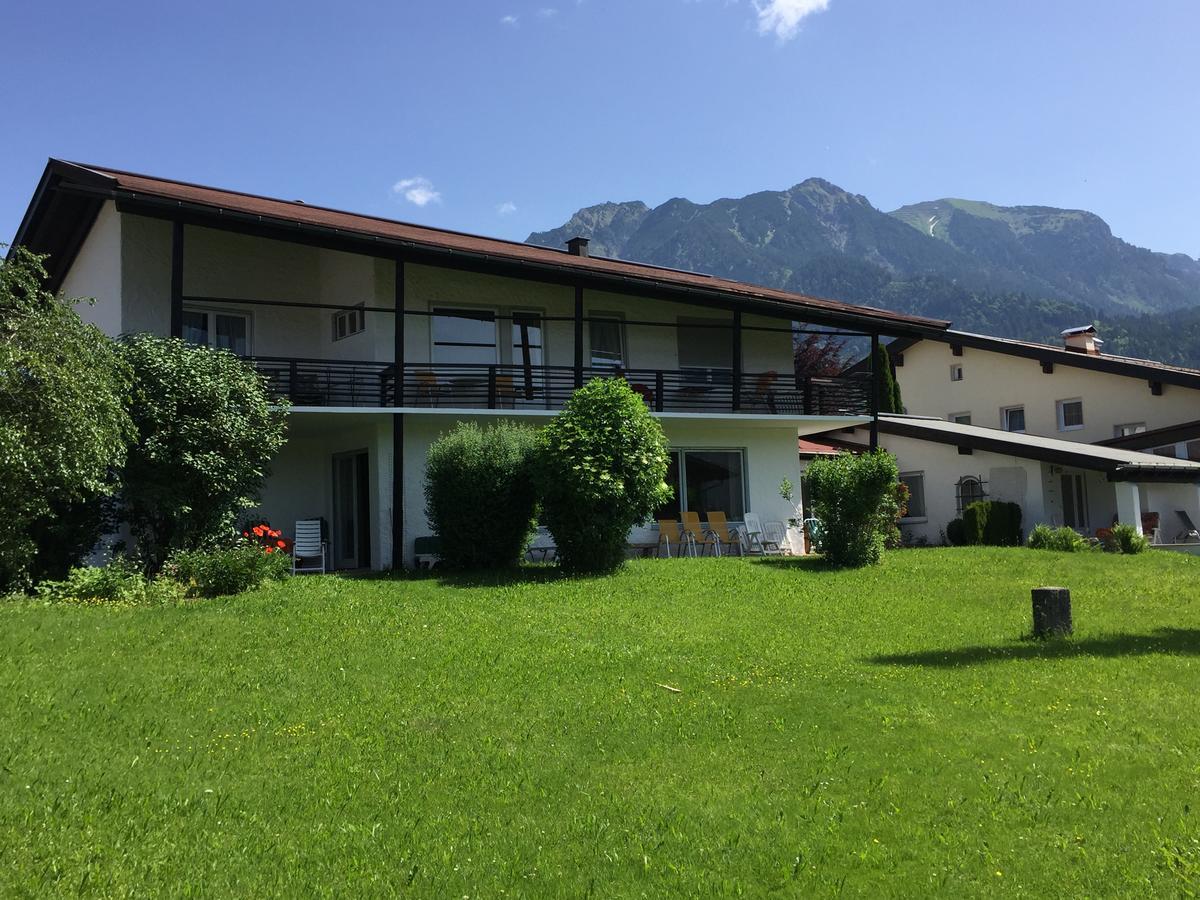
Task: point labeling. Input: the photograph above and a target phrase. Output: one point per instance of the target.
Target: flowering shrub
(119, 582)
(215, 573)
(268, 538)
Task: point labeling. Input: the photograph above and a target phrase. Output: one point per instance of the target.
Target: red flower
(280, 544)
(270, 549)
(245, 534)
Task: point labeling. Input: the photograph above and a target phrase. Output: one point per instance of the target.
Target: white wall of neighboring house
(992, 381)
(96, 273)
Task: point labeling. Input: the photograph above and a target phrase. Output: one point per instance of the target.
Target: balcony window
(703, 346)
(606, 339)
(464, 336)
(706, 481)
(526, 339)
(224, 331)
(349, 321)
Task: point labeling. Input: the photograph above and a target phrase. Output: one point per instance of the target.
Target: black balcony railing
(308, 382)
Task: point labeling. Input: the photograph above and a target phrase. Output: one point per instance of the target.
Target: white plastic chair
(308, 545)
(757, 539)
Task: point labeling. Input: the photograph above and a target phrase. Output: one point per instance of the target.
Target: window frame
(680, 454)
(924, 517)
(956, 368)
(482, 311)
(211, 312)
(358, 312)
(959, 503)
(954, 417)
(1005, 410)
(1060, 414)
(703, 323)
(619, 319)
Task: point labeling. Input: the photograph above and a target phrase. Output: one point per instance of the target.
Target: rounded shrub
(479, 494)
(601, 466)
(956, 532)
(856, 501)
(1124, 538)
(240, 567)
(992, 523)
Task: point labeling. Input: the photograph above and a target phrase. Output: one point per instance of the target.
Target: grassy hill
(687, 727)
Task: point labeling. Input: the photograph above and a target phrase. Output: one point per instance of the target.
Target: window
(967, 491)
(706, 481)
(225, 331)
(1012, 418)
(963, 418)
(956, 372)
(1074, 499)
(1193, 451)
(606, 338)
(915, 482)
(1128, 429)
(1070, 414)
(349, 321)
(465, 336)
(703, 346)
(527, 339)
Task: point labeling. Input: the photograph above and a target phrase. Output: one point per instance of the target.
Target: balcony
(329, 383)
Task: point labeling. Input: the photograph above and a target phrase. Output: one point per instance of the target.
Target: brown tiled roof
(295, 212)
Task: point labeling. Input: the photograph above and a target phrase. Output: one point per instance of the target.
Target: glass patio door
(351, 511)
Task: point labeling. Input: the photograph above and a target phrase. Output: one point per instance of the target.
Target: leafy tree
(855, 499)
(819, 355)
(479, 494)
(601, 466)
(63, 425)
(206, 430)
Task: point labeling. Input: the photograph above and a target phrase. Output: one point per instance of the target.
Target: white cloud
(782, 17)
(507, 208)
(508, 20)
(418, 191)
(547, 12)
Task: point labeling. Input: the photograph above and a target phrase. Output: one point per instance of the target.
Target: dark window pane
(916, 495)
(605, 341)
(714, 482)
(195, 327)
(701, 346)
(670, 509)
(231, 334)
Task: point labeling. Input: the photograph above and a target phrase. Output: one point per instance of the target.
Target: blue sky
(504, 116)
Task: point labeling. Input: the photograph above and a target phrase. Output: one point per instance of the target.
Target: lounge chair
(308, 545)
(718, 528)
(698, 537)
(756, 537)
(1189, 534)
(668, 532)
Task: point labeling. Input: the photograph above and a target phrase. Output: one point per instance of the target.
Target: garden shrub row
(1121, 538)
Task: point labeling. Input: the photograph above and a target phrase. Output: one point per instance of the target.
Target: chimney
(1082, 340)
(577, 246)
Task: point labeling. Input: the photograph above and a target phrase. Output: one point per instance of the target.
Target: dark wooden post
(491, 387)
(398, 336)
(737, 360)
(578, 337)
(1051, 611)
(398, 423)
(874, 392)
(177, 279)
(659, 388)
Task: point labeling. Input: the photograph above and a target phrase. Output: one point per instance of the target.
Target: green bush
(1125, 539)
(855, 499)
(479, 494)
(600, 466)
(206, 430)
(956, 532)
(217, 573)
(992, 523)
(64, 429)
(1064, 539)
(118, 582)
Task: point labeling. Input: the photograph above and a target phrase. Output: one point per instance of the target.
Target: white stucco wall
(96, 273)
(992, 381)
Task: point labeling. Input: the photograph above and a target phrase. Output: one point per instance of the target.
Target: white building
(384, 334)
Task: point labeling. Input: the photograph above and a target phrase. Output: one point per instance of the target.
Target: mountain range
(1017, 271)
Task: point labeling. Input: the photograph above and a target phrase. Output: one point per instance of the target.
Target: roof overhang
(70, 196)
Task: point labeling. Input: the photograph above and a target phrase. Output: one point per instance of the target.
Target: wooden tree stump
(1051, 611)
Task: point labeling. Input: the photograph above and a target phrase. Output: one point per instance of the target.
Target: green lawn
(882, 732)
